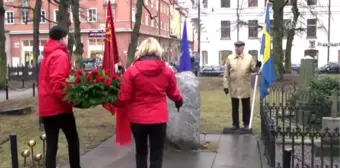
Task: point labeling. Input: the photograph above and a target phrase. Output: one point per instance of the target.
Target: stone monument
(184, 126)
(330, 145)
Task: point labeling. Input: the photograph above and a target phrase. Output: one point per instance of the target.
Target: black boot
(235, 127)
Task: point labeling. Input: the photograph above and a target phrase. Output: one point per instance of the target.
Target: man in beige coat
(237, 81)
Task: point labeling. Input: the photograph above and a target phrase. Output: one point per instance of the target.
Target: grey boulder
(184, 126)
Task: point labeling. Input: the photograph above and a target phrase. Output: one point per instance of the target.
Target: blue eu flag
(185, 63)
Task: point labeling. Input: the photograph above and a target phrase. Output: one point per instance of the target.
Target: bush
(316, 97)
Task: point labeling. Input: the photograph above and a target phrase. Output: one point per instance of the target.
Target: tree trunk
(64, 21)
(77, 34)
(3, 66)
(290, 37)
(36, 23)
(135, 33)
(277, 37)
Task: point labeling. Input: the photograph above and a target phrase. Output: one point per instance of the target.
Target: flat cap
(239, 43)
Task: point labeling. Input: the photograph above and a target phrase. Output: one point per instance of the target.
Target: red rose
(94, 71)
(99, 78)
(95, 81)
(89, 78)
(107, 82)
(78, 80)
(114, 76)
(106, 71)
(79, 72)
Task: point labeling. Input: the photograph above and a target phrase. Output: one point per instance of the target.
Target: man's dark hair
(57, 32)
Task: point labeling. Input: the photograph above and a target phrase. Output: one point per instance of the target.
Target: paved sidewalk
(17, 94)
(235, 151)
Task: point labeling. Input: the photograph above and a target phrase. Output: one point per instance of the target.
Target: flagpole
(255, 85)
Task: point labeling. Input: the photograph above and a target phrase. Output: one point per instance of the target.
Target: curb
(263, 159)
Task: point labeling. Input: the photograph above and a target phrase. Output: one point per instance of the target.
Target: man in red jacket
(56, 113)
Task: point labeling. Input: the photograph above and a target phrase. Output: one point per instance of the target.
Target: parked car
(89, 63)
(214, 70)
(330, 68)
(295, 68)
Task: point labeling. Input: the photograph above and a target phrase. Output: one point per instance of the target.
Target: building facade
(178, 16)
(93, 17)
(219, 29)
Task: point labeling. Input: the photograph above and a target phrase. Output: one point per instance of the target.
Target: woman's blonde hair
(149, 46)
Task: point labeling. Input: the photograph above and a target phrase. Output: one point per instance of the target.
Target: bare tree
(77, 35)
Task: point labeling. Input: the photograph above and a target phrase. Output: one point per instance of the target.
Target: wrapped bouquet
(90, 89)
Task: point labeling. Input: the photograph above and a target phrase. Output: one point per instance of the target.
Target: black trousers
(52, 125)
(245, 111)
(156, 134)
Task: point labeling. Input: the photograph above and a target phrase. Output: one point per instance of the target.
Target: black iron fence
(291, 136)
(19, 73)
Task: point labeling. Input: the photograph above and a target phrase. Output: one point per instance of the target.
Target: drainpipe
(159, 21)
(131, 16)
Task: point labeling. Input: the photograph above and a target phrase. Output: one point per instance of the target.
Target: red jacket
(54, 69)
(144, 88)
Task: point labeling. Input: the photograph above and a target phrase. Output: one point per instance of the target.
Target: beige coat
(237, 75)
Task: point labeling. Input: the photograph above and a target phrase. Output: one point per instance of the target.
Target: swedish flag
(268, 71)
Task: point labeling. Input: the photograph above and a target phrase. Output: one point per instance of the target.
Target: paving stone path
(16, 94)
(235, 151)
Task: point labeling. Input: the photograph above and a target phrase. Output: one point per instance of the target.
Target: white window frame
(22, 17)
(146, 19)
(7, 18)
(146, 2)
(55, 12)
(152, 22)
(88, 15)
(133, 14)
(41, 14)
(157, 4)
(151, 3)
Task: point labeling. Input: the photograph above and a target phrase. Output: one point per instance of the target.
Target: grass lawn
(94, 126)
(216, 107)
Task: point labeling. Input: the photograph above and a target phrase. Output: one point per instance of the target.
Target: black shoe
(246, 127)
(235, 127)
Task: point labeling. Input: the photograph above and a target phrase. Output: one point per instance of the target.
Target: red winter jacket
(54, 69)
(144, 88)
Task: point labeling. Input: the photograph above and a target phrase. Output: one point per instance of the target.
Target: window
(156, 5)
(146, 2)
(252, 3)
(133, 13)
(285, 31)
(311, 28)
(225, 3)
(252, 29)
(92, 15)
(24, 17)
(151, 3)
(225, 30)
(56, 15)
(223, 56)
(9, 17)
(152, 22)
(205, 57)
(146, 19)
(42, 16)
(311, 2)
(205, 3)
(254, 54)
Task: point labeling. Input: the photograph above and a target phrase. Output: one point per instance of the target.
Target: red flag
(111, 56)
(123, 131)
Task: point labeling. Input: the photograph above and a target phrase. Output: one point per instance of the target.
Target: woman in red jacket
(55, 112)
(144, 88)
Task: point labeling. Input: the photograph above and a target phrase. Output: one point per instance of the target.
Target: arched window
(205, 57)
(223, 55)
(254, 54)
